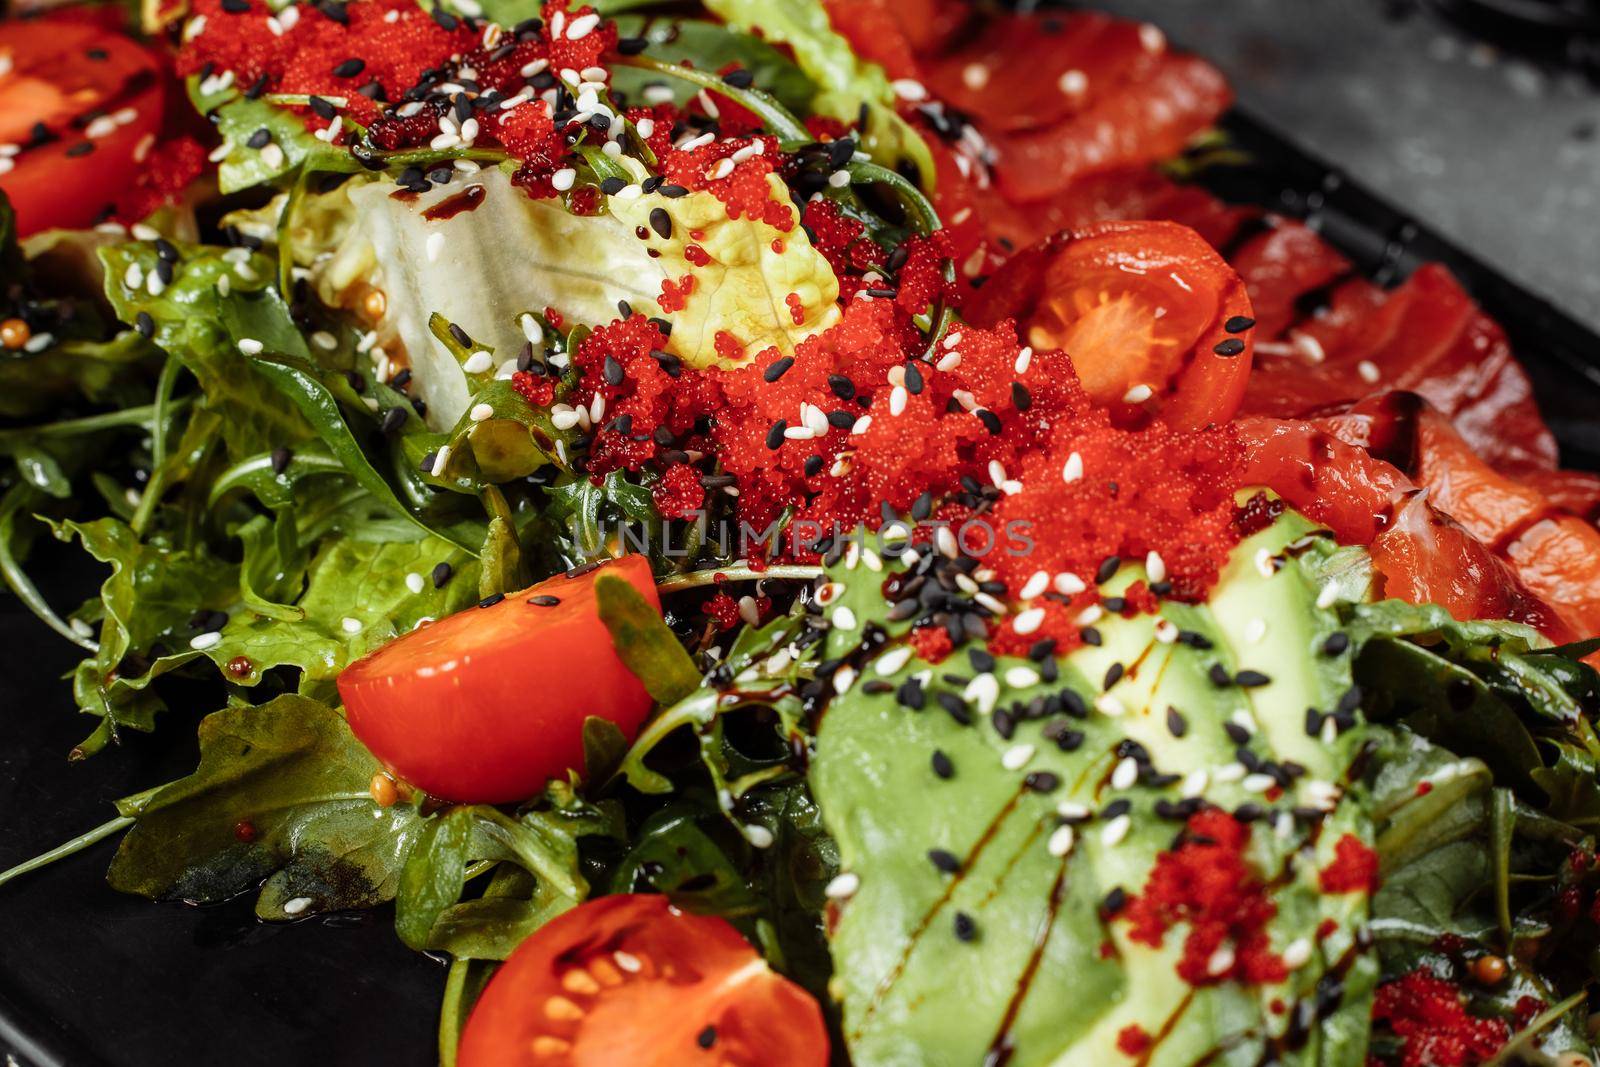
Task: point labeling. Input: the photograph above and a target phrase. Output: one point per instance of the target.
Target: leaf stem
(740, 573)
(777, 118)
(61, 851)
(110, 420)
(158, 446)
(17, 578)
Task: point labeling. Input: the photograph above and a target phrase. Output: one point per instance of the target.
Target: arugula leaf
(281, 794)
(647, 646)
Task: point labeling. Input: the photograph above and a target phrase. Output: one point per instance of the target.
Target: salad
(792, 532)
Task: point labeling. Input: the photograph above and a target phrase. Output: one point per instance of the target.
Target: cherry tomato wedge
(630, 979)
(1142, 309)
(80, 106)
(487, 705)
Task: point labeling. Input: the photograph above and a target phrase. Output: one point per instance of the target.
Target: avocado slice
(965, 931)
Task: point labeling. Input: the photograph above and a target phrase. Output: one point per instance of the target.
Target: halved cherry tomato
(630, 979)
(1141, 308)
(487, 705)
(95, 96)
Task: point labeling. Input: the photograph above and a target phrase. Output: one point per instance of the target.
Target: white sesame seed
(1242, 719)
(480, 412)
(1229, 772)
(645, 127)
(1155, 567)
(1021, 677)
(1296, 954)
(1152, 38)
(843, 886)
(1068, 584)
(1036, 585)
(723, 168)
(441, 459)
(1071, 809)
(1115, 830)
(351, 625)
(984, 691)
(1028, 621)
(201, 642)
(1017, 757)
(1328, 595)
(975, 76)
(478, 363)
(1074, 83)
(839, 179)
(272, 155)
(297, 905)
(433, 246)
(862, 425)
(1194, 783)
(944, 539)
(1166, 631)
(909, 89)
(1061, 841)
(1368, 371)
(1138, 394)
(1221, 961)
(843, 678)
(1255, 630)
(892, 661)
(1089, 615)
(582, 26)
(1107, 704)
(843, 618)
(250, 346)
(414, 582)
(1259, 783)
(758, 836)
(1072, 470)
(627, 961)
(897, 400)
(1264, 564)
(1125, 774)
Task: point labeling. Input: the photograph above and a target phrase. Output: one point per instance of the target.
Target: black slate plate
(90, 978)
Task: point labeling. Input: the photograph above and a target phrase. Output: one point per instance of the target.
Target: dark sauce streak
(967, 864)
(1001, 1048)
(1167, 1028)
(467, 199)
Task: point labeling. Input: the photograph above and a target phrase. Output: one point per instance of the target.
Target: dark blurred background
(1480, 117)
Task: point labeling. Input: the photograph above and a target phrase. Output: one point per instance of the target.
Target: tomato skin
(54, 82)
(487, 705)
(561, 999)
(1143, 266)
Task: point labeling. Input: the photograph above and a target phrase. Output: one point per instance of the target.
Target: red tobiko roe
(1133, 1040)
(1207, 883)
(1354, 868)
(1428, 1013)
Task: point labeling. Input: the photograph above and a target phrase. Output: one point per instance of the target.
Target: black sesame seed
(739, 79)
(1251, 679)
(612, 371)
(461, 336)
(1114, 901)
(966, 929)
(394, 419)
(235, 7)
(1336, 644)
(321, 108)
(1313, 722)
(631, 46)
(842, 387)
(1231, 347)
(775, 434)
(1107, 570)
(145, 325)
(1116, 808)
(166, 250)
(956, 707)
(441, 574)
(945, 861)
(1219, 676)
(990, 420)
(1239, 324)
(707, 1037)
(911, 695)
(1237, 734)
(1005, 723)
(280, 459)
(1177, 725)
(82, 148)
(350, 68)
(981, 661)
(812, 466)
(445, 20)
(1042, 781)
(942, 765)
(491, 601)
(1113, 675)
(777, 369)
(544, 600)
(1021, 397)
(1091, 636)
(1351, 699)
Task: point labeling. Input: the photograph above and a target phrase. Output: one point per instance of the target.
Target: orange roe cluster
(1429, 1015)
(1133, 1040)
(1354, 868)
(537, 391)
(165, 174)
(679, 493)
(842, 241)
(730, 170)
(393, 41)
(1206, 883)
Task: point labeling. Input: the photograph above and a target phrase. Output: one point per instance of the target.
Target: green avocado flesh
(1040, 977)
